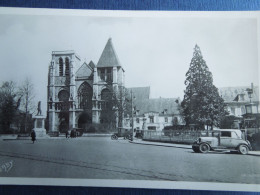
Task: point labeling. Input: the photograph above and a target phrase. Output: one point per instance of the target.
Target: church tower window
(109, 75)
(61, 67)
(67, 67)
(106, 97)
(102, 74)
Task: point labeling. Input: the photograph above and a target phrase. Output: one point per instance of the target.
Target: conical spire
(108, 57)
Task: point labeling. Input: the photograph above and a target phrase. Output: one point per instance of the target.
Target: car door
(225, 139)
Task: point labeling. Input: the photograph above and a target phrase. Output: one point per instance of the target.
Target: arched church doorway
(63, 106)
(85, 121)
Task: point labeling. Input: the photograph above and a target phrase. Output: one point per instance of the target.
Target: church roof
(91, 64)
(84, 71)
(108, 57)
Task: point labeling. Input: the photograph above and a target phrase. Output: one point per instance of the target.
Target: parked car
(126, 133)
(139, 134)
(75, 132)
(223, 139)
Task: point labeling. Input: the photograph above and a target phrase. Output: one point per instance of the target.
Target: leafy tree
(116, 106)
(202, 104)
(122, 103)
(8, 105)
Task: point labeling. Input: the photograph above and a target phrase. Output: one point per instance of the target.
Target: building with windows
(154, 113)
(238, 100)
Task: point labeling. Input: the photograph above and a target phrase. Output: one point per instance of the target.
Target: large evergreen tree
(202, 104)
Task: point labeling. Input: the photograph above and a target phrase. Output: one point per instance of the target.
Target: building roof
(108, 57)
(144, 104)
(230, 94)
(159, 105)
(140, 93)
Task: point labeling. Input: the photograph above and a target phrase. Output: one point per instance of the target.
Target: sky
(153, 51)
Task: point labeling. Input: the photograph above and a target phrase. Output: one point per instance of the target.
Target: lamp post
(251, 116)
(132, 116)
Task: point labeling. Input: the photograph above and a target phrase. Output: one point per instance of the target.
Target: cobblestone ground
(102, 158)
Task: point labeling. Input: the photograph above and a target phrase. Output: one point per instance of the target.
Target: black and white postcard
(130, 99)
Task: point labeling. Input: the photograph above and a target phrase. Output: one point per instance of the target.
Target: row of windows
(237, 111)
(67, 67)
(151, 119)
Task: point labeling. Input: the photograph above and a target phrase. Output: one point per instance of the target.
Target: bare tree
(26, 93)
(122, 103)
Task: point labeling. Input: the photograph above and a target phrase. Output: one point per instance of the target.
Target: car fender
(249, 146)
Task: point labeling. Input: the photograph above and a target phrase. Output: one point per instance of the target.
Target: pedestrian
(33, 135)
(67, 133)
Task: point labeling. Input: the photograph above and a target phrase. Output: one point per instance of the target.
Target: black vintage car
(126, 133)
(75, 132)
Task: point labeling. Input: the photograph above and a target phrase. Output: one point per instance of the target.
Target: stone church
(76, 92)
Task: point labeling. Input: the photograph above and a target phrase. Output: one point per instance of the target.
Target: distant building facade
(237, 100)
(154, 113)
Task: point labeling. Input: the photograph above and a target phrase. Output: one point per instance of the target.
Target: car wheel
(114, 137)
(195, 149)
(204, 148)
(243, 149)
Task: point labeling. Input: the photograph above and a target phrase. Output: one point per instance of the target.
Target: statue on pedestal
(39, 110)
(39, 129)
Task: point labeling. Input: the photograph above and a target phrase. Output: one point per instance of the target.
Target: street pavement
(103, 158)
(139, 141)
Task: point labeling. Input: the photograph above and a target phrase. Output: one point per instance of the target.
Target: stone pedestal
(39, 128)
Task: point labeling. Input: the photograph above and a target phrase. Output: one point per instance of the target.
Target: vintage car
(223, 139)
(124, 132)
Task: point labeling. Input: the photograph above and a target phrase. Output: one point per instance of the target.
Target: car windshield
(215, 134)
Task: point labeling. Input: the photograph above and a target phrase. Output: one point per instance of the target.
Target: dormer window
(165, 111)
(151, 119)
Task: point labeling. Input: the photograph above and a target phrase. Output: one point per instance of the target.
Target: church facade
(77, 92)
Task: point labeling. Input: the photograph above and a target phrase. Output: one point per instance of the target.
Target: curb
(55, 138)
(152, 144)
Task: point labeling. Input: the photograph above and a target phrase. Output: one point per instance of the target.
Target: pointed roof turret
(108, 57)
(91, 64)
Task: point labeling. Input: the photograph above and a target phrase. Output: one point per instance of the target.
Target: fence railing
(179, 136)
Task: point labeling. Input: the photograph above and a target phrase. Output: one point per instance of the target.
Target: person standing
(33, 135)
